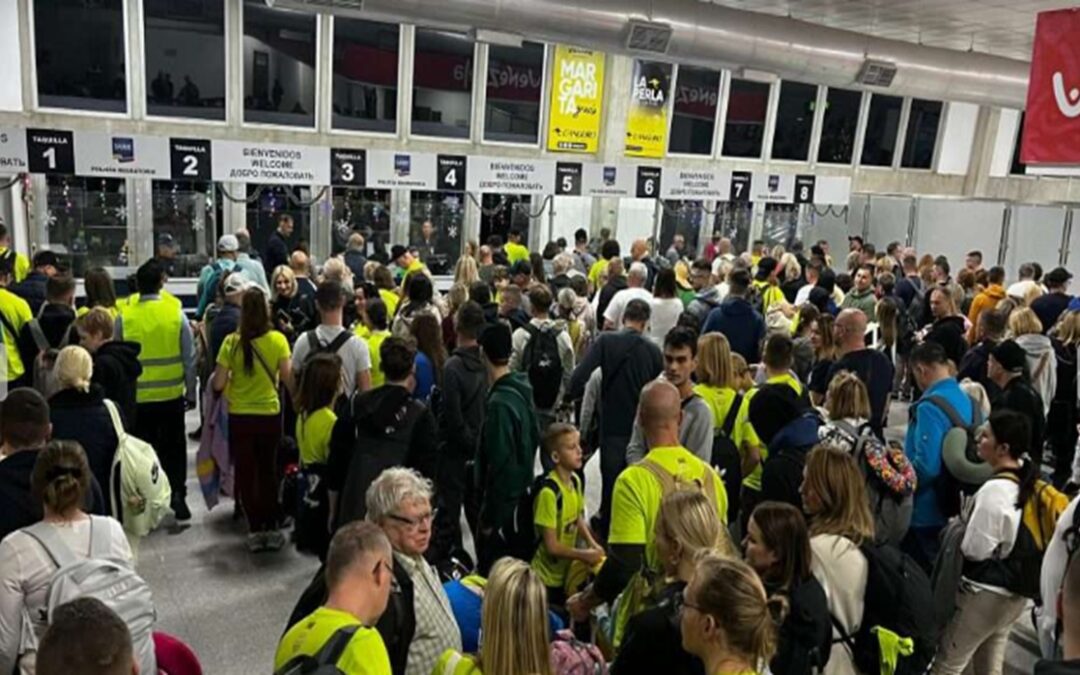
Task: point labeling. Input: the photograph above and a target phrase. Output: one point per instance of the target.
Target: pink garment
(213, 463)
(174, 657)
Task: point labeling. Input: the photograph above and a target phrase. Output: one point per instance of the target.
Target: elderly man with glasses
(418, 624)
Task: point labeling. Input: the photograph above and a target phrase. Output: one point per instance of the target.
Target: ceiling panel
(1000, 27)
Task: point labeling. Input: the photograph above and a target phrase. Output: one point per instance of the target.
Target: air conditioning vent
(653, 38)
(330, 6)
(876, 73)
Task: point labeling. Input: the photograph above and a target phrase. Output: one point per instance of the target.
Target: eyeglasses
(686, 604)
(414, 524)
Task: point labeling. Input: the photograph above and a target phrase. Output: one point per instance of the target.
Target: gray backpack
(112, 582)
(44, 365)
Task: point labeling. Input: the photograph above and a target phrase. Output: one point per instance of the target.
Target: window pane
(839, 125)
(681, 217)
(693, 123)
(747, 104)
(881, 128)
(273, 201)
(185, 58)
(515, 79)
(502, 213)
(922, 131)
(279, 65)
(794, 121)
(365, 75)
(781, 224)
(1018, 168)
(186, 221)
(442, 84)
(733, 220)
(366, 212)
(435, 231)
(80, 54)
(87, 221)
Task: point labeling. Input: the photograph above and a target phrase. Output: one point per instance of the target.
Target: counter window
(794, 121)
(515, 80)
(748, 103)
(185, 58)
(693, 122)
(187, 219)
(922, 132)
(279, 65)
(442, 84)
(882, 126)
(365, 75)
(436, 220)
(839, 125)
(87, 222)
(80, 53)
(363, 212)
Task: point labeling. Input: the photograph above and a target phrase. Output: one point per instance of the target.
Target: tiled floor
(231, 606)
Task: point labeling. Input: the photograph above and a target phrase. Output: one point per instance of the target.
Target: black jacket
(949, 333)
(491, 313)
(116, 370)
(806, 635)
(1020, 396)
(973, 367)
(782, 472)
(18, 508)
(653, 641)
(276, 253)
(355, 261)
(613, 286)
(225, 322)
(55, 321)
(384, 427)
(32, 290)
(461, 414)
(83, 417)
(1058, 667)
(628, 361)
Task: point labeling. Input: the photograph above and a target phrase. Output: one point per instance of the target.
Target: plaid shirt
(436, 628)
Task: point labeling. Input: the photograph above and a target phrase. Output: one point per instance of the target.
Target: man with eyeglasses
(359, 574)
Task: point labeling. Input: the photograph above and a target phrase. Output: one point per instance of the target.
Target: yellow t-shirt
(17, 313)
(746, 437)
(770, 295)
(254, 392)
(22, 264)
(596, 270)
(453, 662)
(364, 655)
(391, 300)
(635, 502)
(378, 377)
(550, 569)
(362, 331)
(515, 252)
(313, 435)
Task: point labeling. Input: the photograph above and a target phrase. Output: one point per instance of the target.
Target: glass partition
(442, 84)
(794, 121)
(80, 52)
(515, 80)
(185, 58)
(733, 220)
(274, 201)
(838, 126)
(922, 132)
(1035, 235)
(187, 219)
(366, 212)
(781, 225)
(684, 217)
(833, 224)
(693, 121)
(435, 228)
(87, 221)
(365, 86)
(748, 104)
(279, 65)
(882, 127)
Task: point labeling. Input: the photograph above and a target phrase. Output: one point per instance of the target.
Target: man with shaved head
(639, 252)
(638, 492)
(869, 365)
(301, 267)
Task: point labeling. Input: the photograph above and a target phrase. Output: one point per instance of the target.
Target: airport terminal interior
(550, 253)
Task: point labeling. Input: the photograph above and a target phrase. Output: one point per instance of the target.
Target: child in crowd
(560, 518)
(318, 391)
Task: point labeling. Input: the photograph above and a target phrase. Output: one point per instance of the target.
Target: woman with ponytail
(60, 481)
(777, 546)
(686, 526)
(78, 412)
(989, 599)
(727, 621)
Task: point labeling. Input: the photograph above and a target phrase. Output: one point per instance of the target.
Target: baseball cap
(1058, 276)
(396, 251)
(236, 283)
(1010, 355)
(42, 258)
(496, 342)
(228, 243)
(765, 267)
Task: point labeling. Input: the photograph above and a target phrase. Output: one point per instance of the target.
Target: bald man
(871, 366)
(299, 264)
(640, 489)
(639, 252)
(636, 280)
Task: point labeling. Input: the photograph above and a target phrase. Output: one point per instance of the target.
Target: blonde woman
(686, 527)
(466, 272)
(1027, 330)
(78, 412)
(727, 620)
(848, 406)
(834, 496)
(717, 386)
(291, 311)
(514, 626)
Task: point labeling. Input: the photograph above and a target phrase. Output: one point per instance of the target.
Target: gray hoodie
(1042, 366)
(704, 302)
(695, 432)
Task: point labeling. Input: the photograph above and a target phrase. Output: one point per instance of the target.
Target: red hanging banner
(1052, 122)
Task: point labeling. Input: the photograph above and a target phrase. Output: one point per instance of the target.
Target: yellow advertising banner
(647, 121)
(577, 91)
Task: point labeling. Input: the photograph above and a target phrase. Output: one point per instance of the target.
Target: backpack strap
(333, 649)
(312, 341)
(732, 415)
(666, 480)
(858, 434)
(949, 410)
(58, 551)
(335, 345)
(40, 341)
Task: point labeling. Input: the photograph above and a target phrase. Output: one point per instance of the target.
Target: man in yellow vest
(21, 262)
(14, 314)
(158, 324)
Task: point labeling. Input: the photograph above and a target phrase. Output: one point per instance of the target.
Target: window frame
(316, 113)
(474, 95)
(545, 92)
(229, 84)
(35, 98)
(766, 123)
(402, 80)
(810, 145)
(901, 131)
(936, 150)
(721, 109)
(860, 127)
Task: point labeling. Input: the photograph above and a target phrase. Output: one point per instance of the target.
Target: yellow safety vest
(155, 325)
(17, 313)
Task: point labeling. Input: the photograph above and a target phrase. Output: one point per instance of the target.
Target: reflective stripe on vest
(155, 325)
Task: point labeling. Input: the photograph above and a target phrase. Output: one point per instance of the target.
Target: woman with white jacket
(834, 496)
(1027, 330)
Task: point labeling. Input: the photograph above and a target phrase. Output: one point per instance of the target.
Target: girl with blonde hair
(727, 620)
(686, 528)
(717, 387)
(1027, 330)
(834, 496)
(466, 272)
(514, 627)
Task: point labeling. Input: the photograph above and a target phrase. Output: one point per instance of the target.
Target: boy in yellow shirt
(559, 517)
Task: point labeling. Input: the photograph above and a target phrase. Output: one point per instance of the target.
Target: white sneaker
(273, 540)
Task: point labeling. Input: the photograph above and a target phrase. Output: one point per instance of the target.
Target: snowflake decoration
(452, 231)
(50, 218)
(120, 212)
(342, 224)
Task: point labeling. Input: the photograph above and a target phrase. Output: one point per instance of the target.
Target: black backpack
(519, 538)
(315, 347)
(323, 662)
(726, 458)
(541, 362)
(897, 598)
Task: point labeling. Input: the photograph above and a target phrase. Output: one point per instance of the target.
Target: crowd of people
(763, 508)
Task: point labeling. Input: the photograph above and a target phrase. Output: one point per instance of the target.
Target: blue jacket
(925, 434)
(741, 324)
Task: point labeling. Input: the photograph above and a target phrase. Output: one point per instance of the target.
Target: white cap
(236, 283)
(228, 243)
